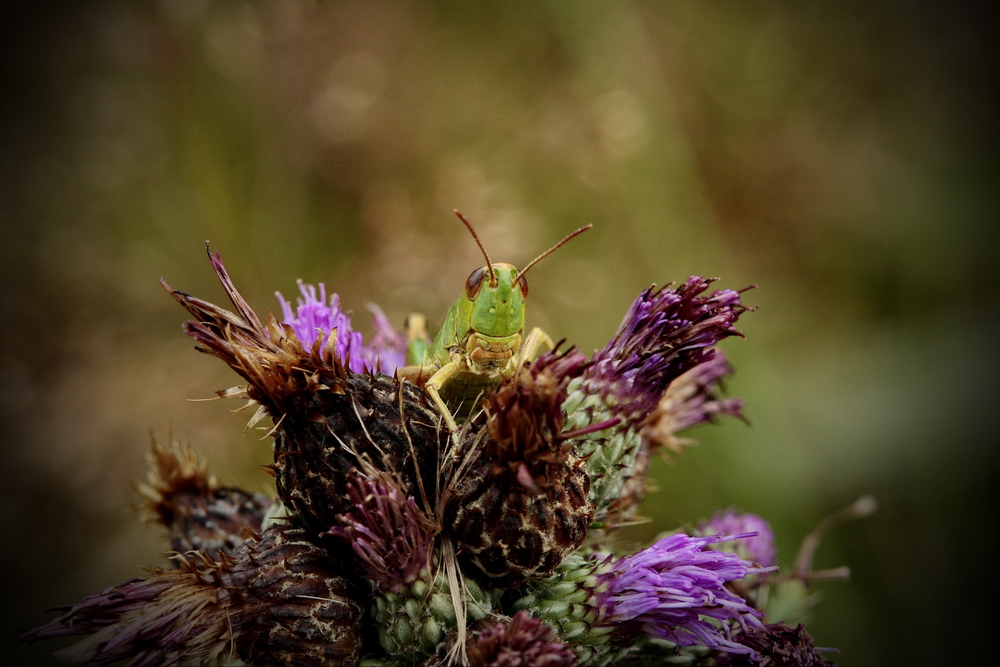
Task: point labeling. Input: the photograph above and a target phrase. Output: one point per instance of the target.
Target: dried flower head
(327, 418)
(521, 641)
(199, 513)
(504, 641)
(279, 599)
(777, 645)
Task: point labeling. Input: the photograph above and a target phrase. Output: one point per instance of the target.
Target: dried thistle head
(777, 645)
(280, 599)
(199, 513)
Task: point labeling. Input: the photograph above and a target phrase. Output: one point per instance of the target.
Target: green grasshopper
(480, 343)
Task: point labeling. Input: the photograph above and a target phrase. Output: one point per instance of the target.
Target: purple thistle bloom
(665, 333)
(314, 317)
(390, 535)
(668, 590)
(759, 549)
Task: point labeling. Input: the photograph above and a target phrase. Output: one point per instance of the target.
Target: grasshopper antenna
(489, 264)
(549, 251)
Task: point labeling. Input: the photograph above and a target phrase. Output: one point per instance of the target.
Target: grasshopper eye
(522, 282)
(475, 283)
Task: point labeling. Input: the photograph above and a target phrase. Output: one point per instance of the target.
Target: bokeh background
(841, 156)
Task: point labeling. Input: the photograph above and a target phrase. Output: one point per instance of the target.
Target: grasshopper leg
(533, 344)
(433, 387)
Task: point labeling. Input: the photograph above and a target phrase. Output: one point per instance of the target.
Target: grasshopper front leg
(533, 344)
(433, 387)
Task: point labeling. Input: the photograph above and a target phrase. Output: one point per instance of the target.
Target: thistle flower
(521, 503)
(665, 334)
(316, 317)
(667, 591)
(199, 514)
(758, 549)
(674, 590)
(327, 418)
(279, 599)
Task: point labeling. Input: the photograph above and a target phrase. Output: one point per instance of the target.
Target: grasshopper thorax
(495, 297)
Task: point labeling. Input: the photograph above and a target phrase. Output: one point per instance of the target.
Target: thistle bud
(392, 538)
(777, 645)
(413, 621)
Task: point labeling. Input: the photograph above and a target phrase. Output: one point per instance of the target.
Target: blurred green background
(841, 156)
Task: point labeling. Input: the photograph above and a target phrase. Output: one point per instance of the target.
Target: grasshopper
(480, 343)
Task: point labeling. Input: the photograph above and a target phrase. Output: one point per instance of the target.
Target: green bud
(403, 632)
(418, 617)
(412, 608)
(431, 634)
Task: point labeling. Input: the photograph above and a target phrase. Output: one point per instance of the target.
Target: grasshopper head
(497, 299)
(495, 293)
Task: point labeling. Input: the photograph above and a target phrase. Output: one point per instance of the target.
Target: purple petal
(314, 316)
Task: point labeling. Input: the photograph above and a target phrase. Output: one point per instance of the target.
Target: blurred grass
(840, 157)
